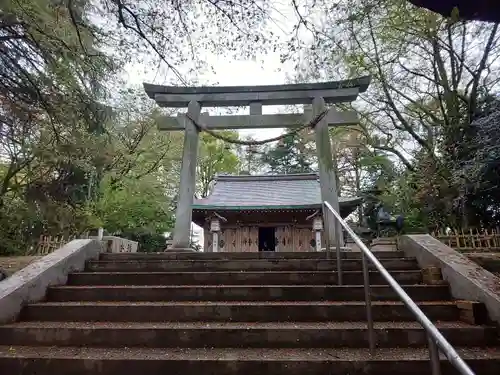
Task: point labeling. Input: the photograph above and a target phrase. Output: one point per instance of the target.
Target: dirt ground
(490, 261)
(13, 264)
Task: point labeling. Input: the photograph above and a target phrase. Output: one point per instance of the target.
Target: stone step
(241, 293)
(246, 255)
(237, 335)
(320, 311)
(237, 278)
(230, 361)
(246, 265)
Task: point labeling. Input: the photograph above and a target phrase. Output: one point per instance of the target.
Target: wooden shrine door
(284, 238)
(302, 239)
(249, 239)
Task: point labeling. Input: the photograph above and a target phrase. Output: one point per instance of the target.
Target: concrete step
(246, 265)
(237, 278)
(230, 361)
(246, 255)
(241, 293)
(237, 335)
(320, 311)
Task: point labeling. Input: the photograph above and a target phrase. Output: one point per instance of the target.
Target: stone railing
(30, 284)
(114, 244)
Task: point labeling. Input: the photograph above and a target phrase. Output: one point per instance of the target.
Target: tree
(140, 206)
(250, 157)
(50, 88)
(139, 174)
(50, 96)
(289, 155)
(482, 10)
(215, 156)
(426, 79)
(478, 171)
(171, 34)
(124, 176)
(359, 167)
(429, 76)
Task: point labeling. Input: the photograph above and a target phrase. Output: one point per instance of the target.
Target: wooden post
(215, 228)
(318, 227)
(215, 242)
(327, 177)
(184, 213)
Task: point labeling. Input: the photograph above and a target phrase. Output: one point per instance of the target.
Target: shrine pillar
(327, 177)
(184, 213)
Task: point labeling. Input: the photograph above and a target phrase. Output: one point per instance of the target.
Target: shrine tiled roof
(266, 192)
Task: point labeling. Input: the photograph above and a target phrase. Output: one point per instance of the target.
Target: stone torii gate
(194, 98)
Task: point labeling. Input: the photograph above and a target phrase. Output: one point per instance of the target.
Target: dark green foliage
(478, 10)
(50, 89)
(288, 156)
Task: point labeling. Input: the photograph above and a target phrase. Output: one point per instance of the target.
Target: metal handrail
(435, 339)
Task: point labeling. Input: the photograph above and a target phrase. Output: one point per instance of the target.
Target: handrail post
(368, 302)
(338, 230)
(326, 222)
(434, 356)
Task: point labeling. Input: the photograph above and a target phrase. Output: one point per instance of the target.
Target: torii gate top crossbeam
(228, 96)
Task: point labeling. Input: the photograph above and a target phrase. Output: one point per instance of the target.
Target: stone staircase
(236, 313)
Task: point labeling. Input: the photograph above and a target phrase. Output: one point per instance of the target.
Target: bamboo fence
(47, 244)
(463, 240)
(470, 240)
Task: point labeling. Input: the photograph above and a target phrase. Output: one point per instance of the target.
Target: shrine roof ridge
(361, 83)
(257, 192)
(268, 177)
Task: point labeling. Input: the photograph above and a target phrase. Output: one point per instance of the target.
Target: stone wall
(467, 280)
(30, 284)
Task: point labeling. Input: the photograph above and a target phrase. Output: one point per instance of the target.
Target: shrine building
(265, 213)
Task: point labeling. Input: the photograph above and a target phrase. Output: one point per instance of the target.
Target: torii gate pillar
(184, 213)
(328, 181)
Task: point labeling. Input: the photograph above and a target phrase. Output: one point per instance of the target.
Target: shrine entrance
(267, 239)
(316, 115)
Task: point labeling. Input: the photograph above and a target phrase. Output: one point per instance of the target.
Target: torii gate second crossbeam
(194, 98)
